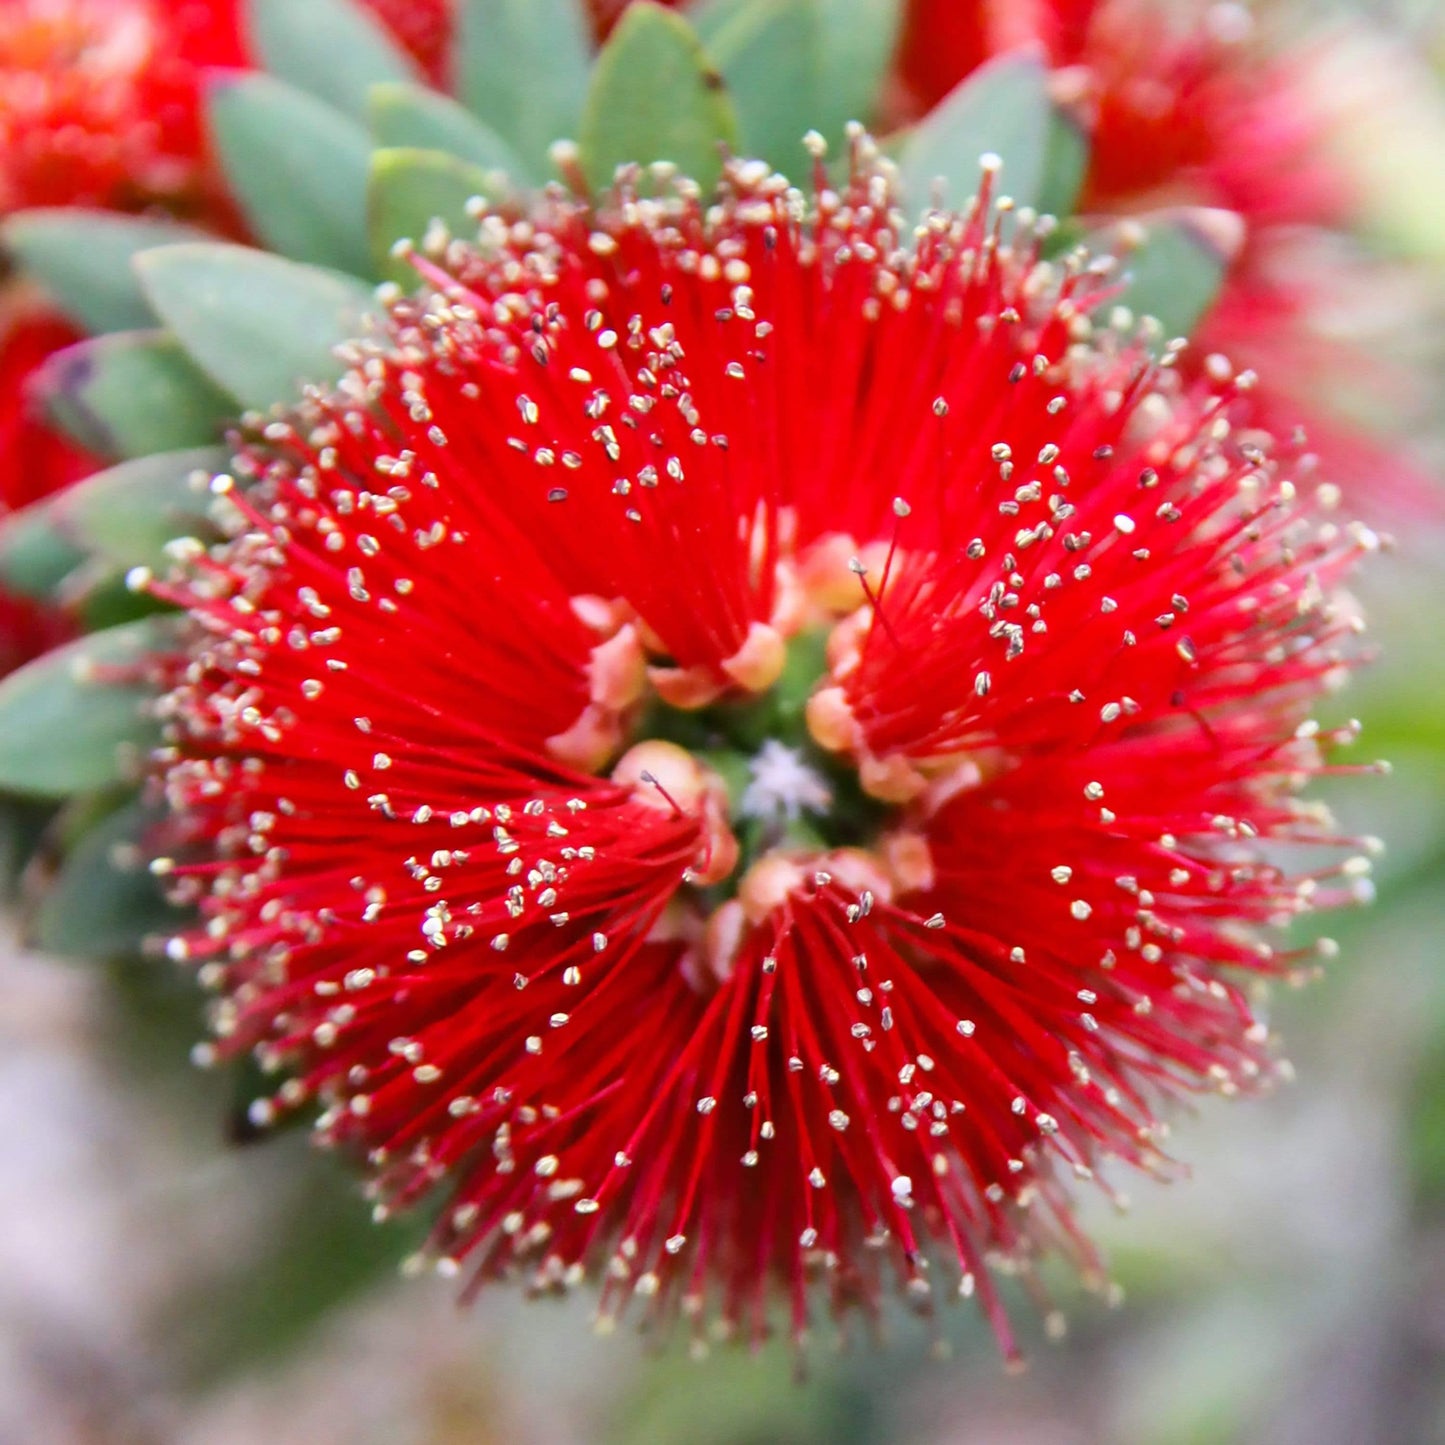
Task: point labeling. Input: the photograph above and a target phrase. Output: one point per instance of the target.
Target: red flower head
(741, 749)
(99, 103)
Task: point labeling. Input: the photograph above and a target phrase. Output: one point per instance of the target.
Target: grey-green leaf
(1174, 262)
(132, 393)
(522, 68)
(769, 53)
(656, 97)
(77, 718)
(858, 40)
(332, 49)
(415, 118)
(297, 167)
(412, 188)
(127, 514)
(259, 325)
(36, 555)
(82, 259)
(104, 902)
(1003, 108)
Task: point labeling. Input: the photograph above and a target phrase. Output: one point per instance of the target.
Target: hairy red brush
(745, 751)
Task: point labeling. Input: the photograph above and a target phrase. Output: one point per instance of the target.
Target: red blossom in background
(1182, 108)
(100, 103)
(747, 755)
(100, 106)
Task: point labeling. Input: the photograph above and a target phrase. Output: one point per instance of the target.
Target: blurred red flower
(746, 751)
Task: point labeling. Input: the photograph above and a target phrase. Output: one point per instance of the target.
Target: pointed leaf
(35, 554)
(258, 324)
(105, 902)
(858, 41)
(82, 259)
(522, 68)
(1002, 108)
(130, 394)
(332, 49)
(126, 515)
(1066, 163)
(297, 168)
(656, 97)
(412, 117)
(410, 189)
(1174, 262)
(76, 718)
(769, 53)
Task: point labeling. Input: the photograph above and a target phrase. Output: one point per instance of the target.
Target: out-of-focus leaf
(76, 718)
(858, 39)
(522, 69)
(130, 394)
(409, 190)
(104, 902)
(412, 117)
(297, 168)
(1066, 163)
(82, 258)
(35, 554)
(1003, 109)
(128, 513)
(656, 97)
(1174, 262)
(332, 49)
(258, 324)
(769, 53)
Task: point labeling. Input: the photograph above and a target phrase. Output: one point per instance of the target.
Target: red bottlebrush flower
(99, 103)
(745, 751)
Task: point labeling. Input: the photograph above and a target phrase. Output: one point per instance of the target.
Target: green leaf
(1174, 262)
(769, 55)
(656, 97)
(257, 324)
(1002, 108)
(297, 168)
(76, 718)
(82, 259)
(35, 554)
(127, 514)
(104, 902)
(331, 49)
(522, 68)
(858, 41)
(409, 190)
(132, 393)
(414, 118)
(1066, 163)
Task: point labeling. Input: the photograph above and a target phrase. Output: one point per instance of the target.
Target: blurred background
(164, 1279)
